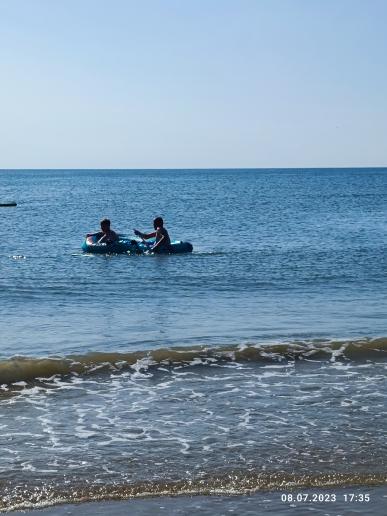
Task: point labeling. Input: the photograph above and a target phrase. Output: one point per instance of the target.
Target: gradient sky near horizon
(193, 83)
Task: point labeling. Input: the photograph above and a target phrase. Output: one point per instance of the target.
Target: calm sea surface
(255, 361)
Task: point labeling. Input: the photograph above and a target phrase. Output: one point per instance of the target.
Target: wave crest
(28, 369)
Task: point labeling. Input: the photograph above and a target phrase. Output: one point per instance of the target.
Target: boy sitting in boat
(106, 235)
(163, 242)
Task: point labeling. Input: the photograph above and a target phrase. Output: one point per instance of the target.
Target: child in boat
(163, 241)
(106, 235)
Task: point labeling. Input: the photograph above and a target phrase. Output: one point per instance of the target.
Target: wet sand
(348, 502)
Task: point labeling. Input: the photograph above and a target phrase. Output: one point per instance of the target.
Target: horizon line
(150, 169)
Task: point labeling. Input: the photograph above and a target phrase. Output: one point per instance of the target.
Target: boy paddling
(163, 242)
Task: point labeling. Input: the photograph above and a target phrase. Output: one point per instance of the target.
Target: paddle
(139, 234)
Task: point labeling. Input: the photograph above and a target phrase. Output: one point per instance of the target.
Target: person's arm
(159, 235)
(102, 239)
(108, 238)
(145, 236)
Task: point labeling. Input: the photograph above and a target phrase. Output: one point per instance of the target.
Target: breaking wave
(30, 369)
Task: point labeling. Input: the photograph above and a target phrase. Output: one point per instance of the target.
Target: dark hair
(158, 222)
(105, 222)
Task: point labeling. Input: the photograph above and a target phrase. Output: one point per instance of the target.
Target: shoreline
(342, 500)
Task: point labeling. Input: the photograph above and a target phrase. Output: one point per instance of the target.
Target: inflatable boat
(132, 246)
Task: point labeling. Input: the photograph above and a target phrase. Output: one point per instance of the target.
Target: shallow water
(256, 362)
(325, 502)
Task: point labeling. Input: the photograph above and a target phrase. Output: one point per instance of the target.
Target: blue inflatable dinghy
(131, 246)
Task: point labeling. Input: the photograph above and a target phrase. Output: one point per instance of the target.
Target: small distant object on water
(7, 204)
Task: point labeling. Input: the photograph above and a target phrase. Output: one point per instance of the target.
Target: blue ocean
(256, 361)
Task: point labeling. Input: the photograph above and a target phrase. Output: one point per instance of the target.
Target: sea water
(254, 363)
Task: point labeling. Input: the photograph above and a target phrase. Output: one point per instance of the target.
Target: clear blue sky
(193, 83)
